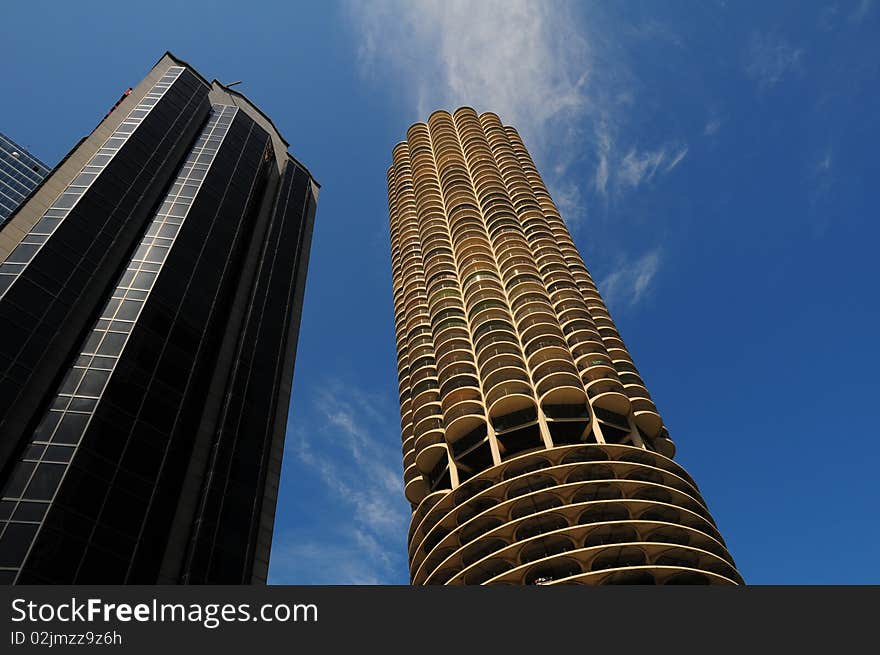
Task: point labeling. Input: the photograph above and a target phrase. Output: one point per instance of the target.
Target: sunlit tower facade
(532, 451)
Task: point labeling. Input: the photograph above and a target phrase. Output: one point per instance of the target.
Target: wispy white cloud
(542, 67)
(676, 159)
(350, 444)
(339, 559)
(603, 149)
(820, 180)
(630, 281)
(637, 167)
(862, 9)
(450, 53)
(567, 195)
(770, 58)
(657, 31)
(712, 127)
(831, 16)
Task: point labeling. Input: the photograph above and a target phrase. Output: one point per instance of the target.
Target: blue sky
(713, 161)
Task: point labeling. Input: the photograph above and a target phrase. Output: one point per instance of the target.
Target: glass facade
(20, 173)
(36, 477)
(148, 356)
(19, 258)
(225, 535)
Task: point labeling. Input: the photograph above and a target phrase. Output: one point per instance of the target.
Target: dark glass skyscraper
(20, 173)
(150, 294)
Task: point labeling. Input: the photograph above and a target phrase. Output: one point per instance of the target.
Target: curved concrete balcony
(542, 344)
(547, 349)
(428, 457)
(564, 394)
(620, 568)
(406, 425)
(584, 344)
(457, 344)
(617, 352)
(440, 302)
(424, 391)
(488, 353)
(421, 369)
(523, 283)
(570, 465)
(663, 444)
(516, 263)
(459, 355)
(425, 411)
(529, 326)
(488, 310)
(530, 304)
(553, 376)
(596, 366)
(646, 416)
(517, 251)
(571, 314)
(474, 257)
(463, 417)
(544, 531)
(411, 472)
(448, 329)
(608, 394)
(489, 372)
(431, 433)
(464, 216)
(521, 523)
(483, 290)
(509, 397)
(564, 294)
(481, 293)
(415, 490)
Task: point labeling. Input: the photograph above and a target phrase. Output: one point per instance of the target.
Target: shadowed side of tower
(533, 453)
(150, 295)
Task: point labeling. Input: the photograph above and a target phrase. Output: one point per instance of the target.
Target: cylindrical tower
(533, 453)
